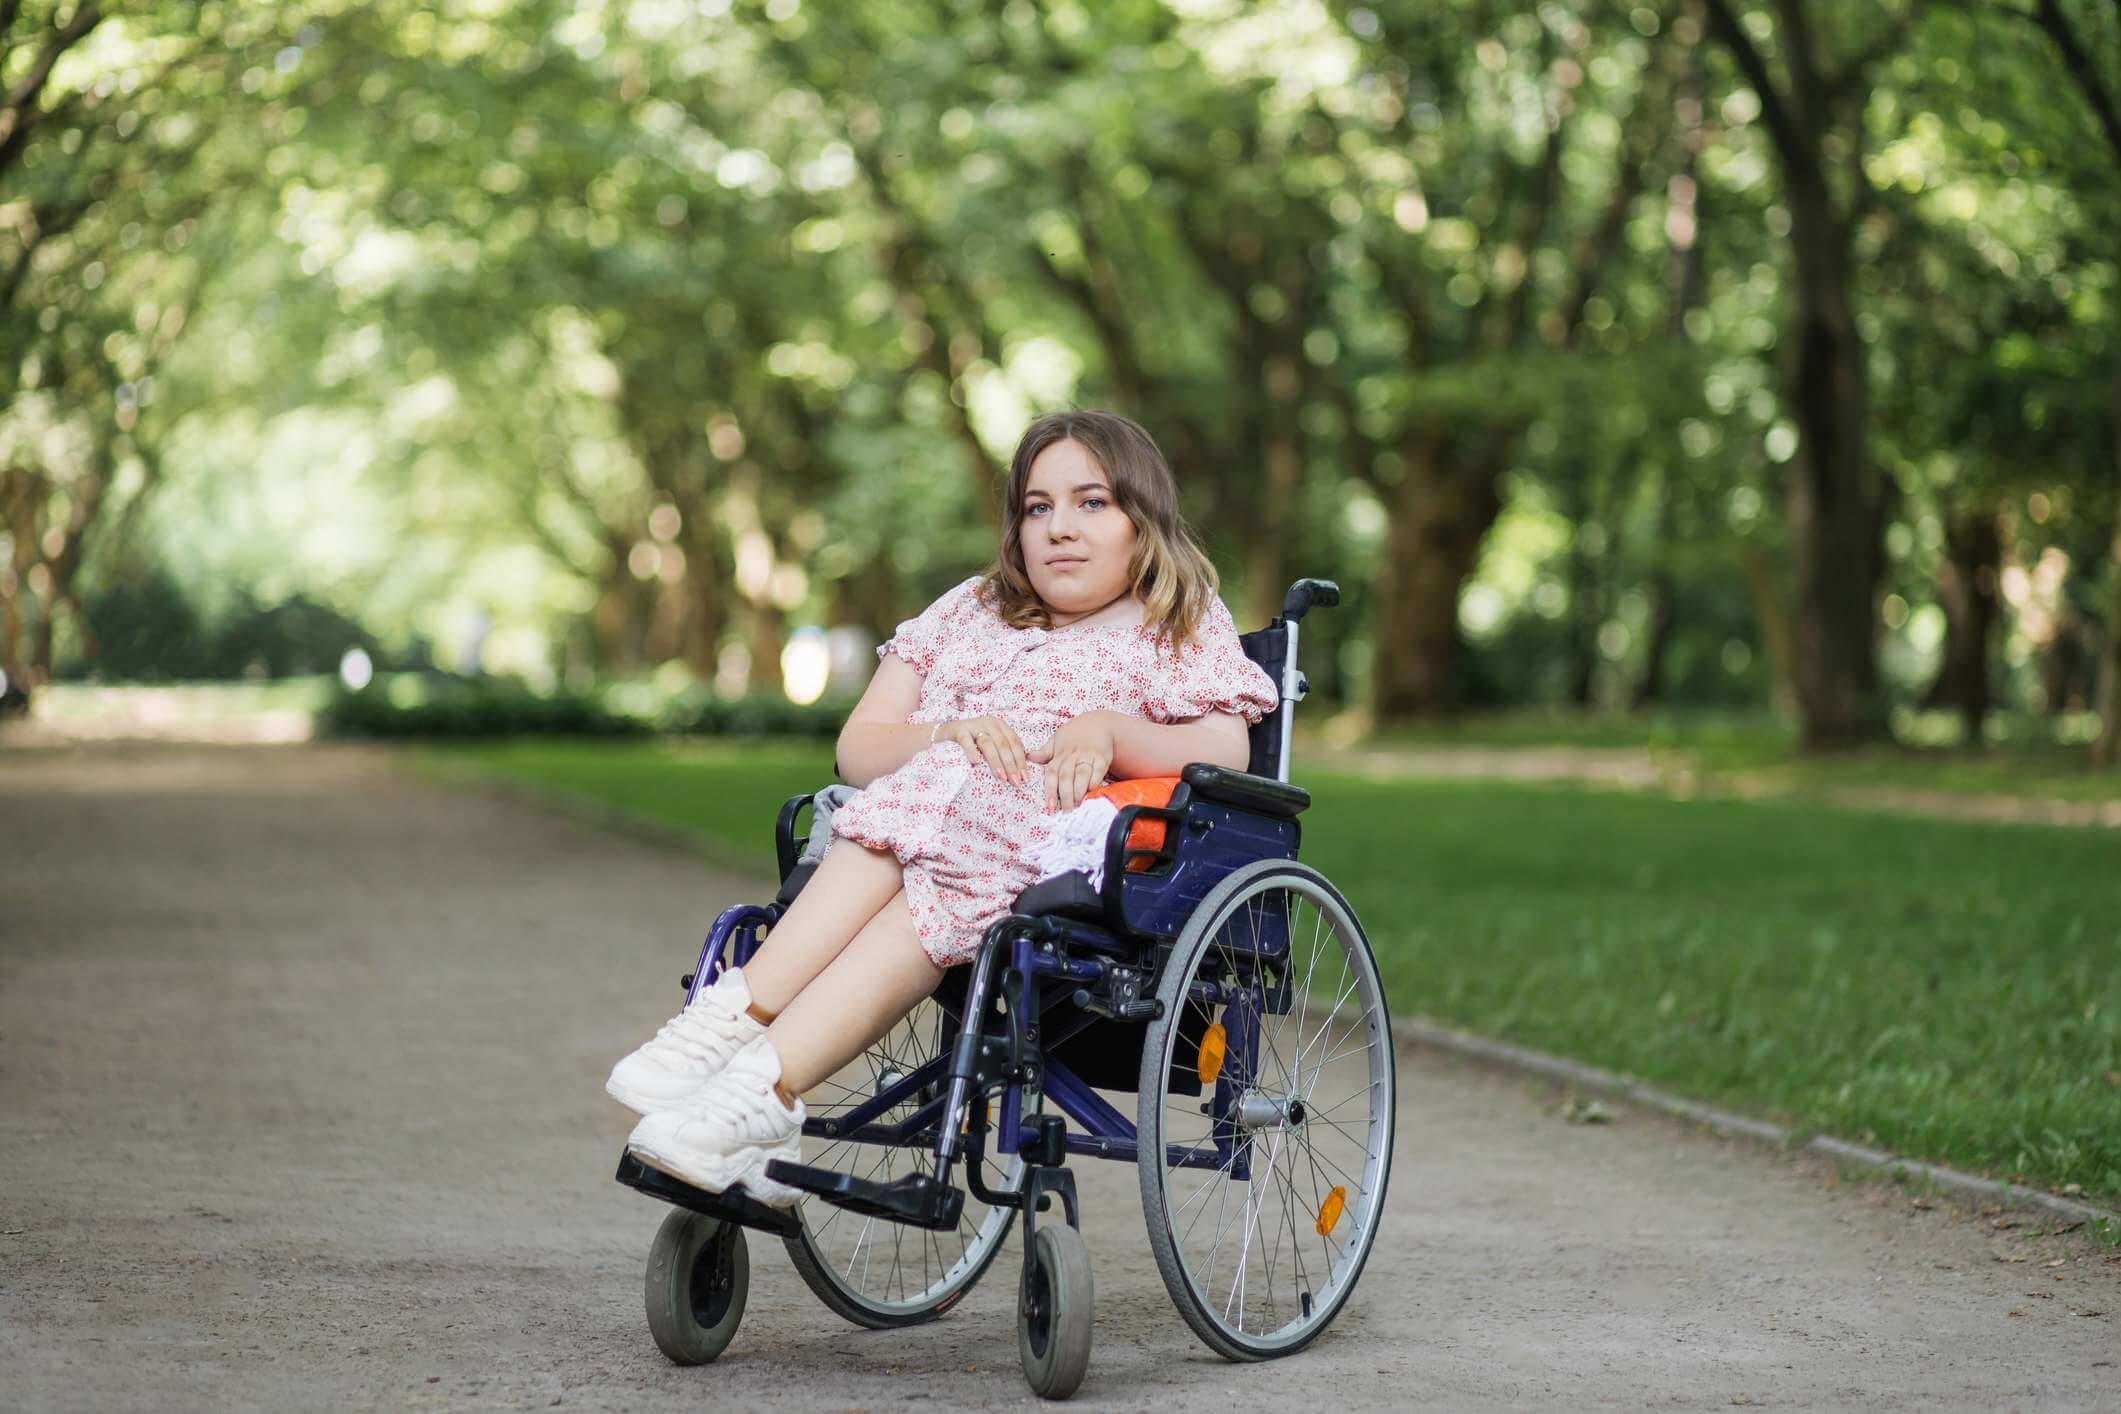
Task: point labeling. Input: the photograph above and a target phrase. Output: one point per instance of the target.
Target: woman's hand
(992, 740)
(1077, 759)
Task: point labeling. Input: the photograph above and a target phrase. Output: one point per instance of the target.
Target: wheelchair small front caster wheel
(1053, 1313)
(699, 1271)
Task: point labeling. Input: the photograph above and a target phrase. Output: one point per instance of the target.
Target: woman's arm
(878, 739)
(1088, 748)
(1144, 748)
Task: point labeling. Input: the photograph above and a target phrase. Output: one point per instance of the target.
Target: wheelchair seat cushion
(1070, 895)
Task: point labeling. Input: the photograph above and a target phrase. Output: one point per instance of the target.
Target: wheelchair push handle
(1306, 594)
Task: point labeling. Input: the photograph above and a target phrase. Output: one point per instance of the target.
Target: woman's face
(1078, 544)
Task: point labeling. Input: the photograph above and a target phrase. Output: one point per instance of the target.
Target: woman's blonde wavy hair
(1172, 578)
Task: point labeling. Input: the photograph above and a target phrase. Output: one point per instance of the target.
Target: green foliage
(146, 628)
(437, 704)
(433, 705)
(644, 333)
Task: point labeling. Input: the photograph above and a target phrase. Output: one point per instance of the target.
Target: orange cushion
(1144, 834)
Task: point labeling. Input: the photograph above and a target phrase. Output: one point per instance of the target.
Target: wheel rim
(885, 1267)
(1310, 1117)
(1038, 1307)
(713, 1280)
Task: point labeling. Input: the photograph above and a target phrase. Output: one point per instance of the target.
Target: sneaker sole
(746, 1171)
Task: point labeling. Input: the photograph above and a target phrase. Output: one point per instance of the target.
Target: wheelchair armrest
(1245, 791)
(787, 846)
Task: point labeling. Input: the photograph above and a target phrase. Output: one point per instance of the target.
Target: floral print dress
(965, 836)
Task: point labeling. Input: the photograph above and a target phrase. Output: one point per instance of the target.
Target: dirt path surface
(301, 1064)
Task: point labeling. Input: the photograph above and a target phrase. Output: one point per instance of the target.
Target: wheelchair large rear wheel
(875, 1272)
(1263, 1193)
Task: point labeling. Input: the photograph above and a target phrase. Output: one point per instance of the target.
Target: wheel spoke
(899, 1272)
(1324, 1049)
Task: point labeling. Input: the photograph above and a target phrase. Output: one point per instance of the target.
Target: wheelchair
(1227, 985)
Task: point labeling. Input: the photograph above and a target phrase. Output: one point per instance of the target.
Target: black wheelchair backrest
(1269, 647)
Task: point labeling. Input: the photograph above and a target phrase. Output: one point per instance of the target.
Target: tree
(1838, 500)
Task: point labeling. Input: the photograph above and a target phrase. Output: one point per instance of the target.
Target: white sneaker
(729, 1131)
(692, 1046)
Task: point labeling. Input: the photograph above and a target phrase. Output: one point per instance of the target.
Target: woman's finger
(1007, 748)
(1058, 777)
(1085, 777)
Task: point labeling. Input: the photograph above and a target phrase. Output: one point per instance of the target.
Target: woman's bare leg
(852, 882)
(873, 982)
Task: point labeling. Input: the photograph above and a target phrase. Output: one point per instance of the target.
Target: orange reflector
(1211, 1053)
(1329, 1211)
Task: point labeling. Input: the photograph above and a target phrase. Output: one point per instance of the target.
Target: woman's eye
(1034, 510)
(1094, 503)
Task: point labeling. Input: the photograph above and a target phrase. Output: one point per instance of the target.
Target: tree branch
(13, 124)
(1854, 73)
(2056, 24)
(1792, 141)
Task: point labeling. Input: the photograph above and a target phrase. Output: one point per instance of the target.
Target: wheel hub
(1258, 1110)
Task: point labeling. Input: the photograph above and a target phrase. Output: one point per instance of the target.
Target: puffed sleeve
(918, 640)
(1212, 674)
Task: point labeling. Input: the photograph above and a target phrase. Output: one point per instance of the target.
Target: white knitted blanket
(1077, 841)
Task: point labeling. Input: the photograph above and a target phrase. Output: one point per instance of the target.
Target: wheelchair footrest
(916, 1199)
(735, 1206)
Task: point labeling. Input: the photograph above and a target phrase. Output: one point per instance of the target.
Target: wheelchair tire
(699, 1274)
(871, 1271)
(1054, 1312)
(1263, 1280)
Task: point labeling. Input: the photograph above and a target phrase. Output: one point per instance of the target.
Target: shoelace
(737, 1101)
(693, 1029)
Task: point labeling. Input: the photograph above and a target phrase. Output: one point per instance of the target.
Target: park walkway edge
(1510, 1056)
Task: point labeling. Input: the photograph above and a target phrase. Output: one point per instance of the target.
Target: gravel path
(301, 1061)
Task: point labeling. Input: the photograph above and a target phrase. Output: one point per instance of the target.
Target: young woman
(1095, 647)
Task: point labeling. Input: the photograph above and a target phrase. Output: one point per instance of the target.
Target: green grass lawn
(1752, 750)
(1950, 991)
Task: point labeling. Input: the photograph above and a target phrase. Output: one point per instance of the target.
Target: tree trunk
(41, 643)
(2106, 751)
(1267, 549)
(1664, 603)
(1663, 620)
(1771, 614)
(1836, 498)
(1836, 510)
(766, 640)
(1442, 515)
(1586, 608)
(1966, 583)
(11, 633)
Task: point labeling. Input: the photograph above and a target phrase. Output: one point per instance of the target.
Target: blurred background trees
(1612, 355)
